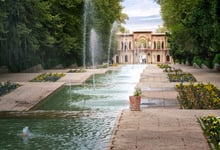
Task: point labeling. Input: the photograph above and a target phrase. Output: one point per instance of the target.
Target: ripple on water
(90, 131)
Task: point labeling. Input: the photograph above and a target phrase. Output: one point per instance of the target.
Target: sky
(143, 15)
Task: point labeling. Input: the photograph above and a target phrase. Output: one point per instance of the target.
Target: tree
(193, 27)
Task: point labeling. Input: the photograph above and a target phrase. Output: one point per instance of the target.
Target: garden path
(162, 127)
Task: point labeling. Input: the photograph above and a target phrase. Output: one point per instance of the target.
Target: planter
(135, 102)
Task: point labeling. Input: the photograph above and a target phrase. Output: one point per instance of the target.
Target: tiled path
(162, 126)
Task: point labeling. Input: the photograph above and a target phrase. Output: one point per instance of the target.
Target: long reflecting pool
(98, 104)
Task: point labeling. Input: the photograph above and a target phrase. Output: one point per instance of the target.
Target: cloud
(143, 15)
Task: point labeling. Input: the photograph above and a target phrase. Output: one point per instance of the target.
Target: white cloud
(143, 14)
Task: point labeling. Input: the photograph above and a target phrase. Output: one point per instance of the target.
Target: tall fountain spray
(86, 4)
(93, 47)
(110, 40)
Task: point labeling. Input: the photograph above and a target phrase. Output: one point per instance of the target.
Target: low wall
(33, 69)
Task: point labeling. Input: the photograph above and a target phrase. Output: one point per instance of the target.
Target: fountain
(25, 132)
(60, 128)
(110, 41)
(55, 120)
(86, 2)
(93, 45)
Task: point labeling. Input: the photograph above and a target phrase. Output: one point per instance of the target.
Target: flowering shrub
(6, 87)
(198, 96)
(48, 77)
(211, 127)
(181, 77)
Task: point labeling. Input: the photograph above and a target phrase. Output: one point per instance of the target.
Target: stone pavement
(162, 125)
(159, 125)
(31, 93)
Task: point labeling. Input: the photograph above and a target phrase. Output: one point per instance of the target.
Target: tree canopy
(194, 29)
(49, 32)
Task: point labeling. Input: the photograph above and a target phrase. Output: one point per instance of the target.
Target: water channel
(90, 131)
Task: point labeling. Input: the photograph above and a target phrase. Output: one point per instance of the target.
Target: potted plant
(135, 100)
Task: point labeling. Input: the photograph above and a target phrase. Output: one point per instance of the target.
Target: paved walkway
(31, 93)
(161, 125)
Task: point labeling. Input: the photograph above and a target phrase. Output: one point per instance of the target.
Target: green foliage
(193, 28)
(6, 87)
(137, 92)
(197, 60)
(50, 32)
(216, 59)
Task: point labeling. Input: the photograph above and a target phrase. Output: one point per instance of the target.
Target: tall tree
(193, 27)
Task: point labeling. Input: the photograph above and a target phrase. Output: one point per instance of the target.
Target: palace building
(142, 47)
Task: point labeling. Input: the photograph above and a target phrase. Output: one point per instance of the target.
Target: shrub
(216, 59)
(198, 61)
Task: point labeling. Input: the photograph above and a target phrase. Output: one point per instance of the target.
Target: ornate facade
(142, 47)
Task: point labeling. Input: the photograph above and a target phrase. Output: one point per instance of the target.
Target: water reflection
(90, 131)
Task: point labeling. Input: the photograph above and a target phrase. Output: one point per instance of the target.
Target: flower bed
(211, 127)
(6, 87)
(163, 66)
(48, 77)
(181, 77)
(169, 70)
(77, 71)
(198, 96)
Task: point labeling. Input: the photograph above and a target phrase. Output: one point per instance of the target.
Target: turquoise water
(100, 104)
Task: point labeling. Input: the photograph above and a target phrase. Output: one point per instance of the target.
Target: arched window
(158, 58)
(126, 47)
(168, 58)
(162, 45)
(158, 44)
(117, 59)
(129, 45)
(126, 58)
(142, 43)
(122, 47)
(155, 45)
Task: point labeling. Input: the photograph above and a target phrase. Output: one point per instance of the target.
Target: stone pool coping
(31, 93)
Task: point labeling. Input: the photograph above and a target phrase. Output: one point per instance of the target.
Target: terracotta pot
(135, 102)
